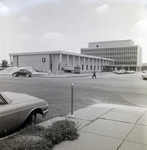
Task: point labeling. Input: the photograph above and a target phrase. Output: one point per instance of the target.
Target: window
(82, 67)
(86, 67)
(91, 67)
(2, 100)
(50, 66)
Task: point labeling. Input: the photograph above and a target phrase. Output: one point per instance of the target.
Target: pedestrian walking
(94, 73)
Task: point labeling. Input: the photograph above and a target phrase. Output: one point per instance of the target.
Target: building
(126, 55)
(57, 61)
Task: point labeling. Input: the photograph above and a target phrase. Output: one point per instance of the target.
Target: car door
(8, 118)
(21, 72)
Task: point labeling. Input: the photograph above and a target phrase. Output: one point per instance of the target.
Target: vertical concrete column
(96, 64)
(67, 59)
(88, 63)
(92, 63)
(73, 57)
(79, 60)
(60, 61)
(84, 64)
(53, 65)
(100, 64)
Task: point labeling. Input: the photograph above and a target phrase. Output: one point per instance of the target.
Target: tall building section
(126, 55)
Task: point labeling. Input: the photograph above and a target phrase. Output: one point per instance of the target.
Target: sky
(69, 25)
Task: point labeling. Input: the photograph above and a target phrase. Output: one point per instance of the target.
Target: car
(22, 72)
(17, 109)
(130, 71)
(120, 72)
(144, 74)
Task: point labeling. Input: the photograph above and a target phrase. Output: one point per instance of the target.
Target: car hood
(19, 97)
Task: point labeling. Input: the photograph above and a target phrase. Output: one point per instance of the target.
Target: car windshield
(144, 71)
(2, 100)
(23, 70)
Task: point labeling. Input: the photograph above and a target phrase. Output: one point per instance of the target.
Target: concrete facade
(126, 55)
(56, 61)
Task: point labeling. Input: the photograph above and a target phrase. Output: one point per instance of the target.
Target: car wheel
(15, 75)
(27, 75)
(32, 118)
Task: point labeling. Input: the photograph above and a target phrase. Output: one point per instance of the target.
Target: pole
(72, 89)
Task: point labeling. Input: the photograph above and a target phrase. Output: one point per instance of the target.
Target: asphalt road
(128, 89)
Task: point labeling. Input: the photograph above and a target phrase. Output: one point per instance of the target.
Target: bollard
(72, 89)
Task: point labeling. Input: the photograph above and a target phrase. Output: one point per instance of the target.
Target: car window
(22, 70)
(25, 71)
(144, 71)
(2, 102)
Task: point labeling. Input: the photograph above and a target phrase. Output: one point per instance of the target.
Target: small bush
(61, 131)
(39, 138)
(26, 144)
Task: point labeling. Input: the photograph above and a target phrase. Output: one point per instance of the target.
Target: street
(127, 89)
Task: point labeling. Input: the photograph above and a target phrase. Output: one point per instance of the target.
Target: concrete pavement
(65, 75)
(107, 127)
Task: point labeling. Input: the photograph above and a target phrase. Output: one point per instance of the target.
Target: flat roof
(57, 52)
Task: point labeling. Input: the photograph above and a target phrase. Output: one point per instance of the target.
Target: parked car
(144, 74)
(17, 109)
(130, 72)
(120, 72)
(22, 72)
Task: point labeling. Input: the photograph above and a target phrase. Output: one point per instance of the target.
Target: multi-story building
(126, 55)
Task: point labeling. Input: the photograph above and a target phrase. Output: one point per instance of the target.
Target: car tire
(32, 118)
(15, 75)
(27, 75)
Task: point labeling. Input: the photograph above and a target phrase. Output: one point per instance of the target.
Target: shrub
(39, 138)
(61, 131)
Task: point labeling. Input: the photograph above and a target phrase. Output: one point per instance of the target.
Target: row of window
(91, 67)
(111, 54)
(125, 58)
(125, 63)
(124, 49)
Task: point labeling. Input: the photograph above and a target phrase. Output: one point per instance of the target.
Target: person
(94, 73)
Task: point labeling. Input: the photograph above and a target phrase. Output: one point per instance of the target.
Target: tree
(4, 63)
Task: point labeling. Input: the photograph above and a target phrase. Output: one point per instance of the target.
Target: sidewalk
(63, 75)
(66, 75)
(107, 127)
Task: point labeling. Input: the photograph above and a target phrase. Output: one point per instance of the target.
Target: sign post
(72, 89)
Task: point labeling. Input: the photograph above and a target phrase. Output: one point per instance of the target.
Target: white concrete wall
(35, 61)
(15, 61)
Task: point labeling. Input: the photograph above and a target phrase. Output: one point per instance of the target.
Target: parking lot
(127, 89)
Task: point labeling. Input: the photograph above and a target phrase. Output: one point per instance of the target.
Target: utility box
(72, 68)
(77, 69)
